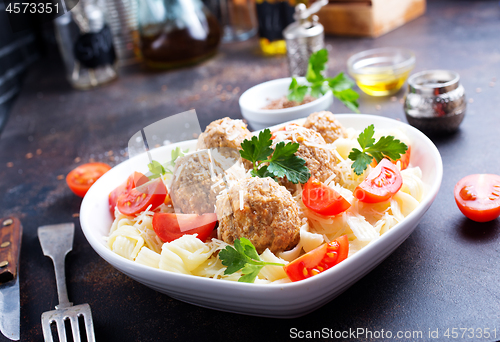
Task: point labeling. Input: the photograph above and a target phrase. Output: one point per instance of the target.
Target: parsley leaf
(282, 163)
(317, 63)
(318, 89)
(340, 82)
(385, 147)
(317, 85)
(349, 98)
(258, 148)
(296, 92)
(361, 161)
(365, 138)
(157, 170)
(243, 256)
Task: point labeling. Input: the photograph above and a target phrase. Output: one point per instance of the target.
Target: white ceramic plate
(268, 300)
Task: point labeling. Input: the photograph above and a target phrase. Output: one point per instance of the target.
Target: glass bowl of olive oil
(381, 72)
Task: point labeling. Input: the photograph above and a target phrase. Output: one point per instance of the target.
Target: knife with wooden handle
(10, 247)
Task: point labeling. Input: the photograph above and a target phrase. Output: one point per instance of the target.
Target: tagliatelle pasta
(134, 238)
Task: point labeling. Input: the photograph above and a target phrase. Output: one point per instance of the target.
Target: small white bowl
(268, 300)
(254, 99)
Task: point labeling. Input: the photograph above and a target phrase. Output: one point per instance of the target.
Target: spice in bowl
(284, 102)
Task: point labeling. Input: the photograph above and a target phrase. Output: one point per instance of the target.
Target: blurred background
(154, 36)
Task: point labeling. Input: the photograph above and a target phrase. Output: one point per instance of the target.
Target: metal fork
(57, 241)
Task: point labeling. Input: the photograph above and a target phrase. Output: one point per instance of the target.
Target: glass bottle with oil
(176, 33)
(274, 16)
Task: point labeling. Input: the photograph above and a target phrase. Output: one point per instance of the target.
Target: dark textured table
(445, 275)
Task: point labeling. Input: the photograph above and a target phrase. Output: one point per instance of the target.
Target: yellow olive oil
(381, 84)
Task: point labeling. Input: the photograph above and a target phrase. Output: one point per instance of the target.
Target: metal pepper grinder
(304, 37)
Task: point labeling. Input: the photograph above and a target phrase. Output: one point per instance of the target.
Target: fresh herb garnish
(157, 170)
(386, 146)
(243, 256)
(340, 85)
(281, 162)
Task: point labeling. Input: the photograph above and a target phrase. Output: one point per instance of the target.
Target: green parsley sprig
(317, 85)
(157, 170)
(243, 256)
(278, 163)
(386, 146)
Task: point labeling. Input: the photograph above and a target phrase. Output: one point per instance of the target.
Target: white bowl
(254, 99)
(268, 300)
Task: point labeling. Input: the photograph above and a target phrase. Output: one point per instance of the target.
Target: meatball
(226, 135)
(327, 125)
(260, 210)
(199, 177)
(319, 157)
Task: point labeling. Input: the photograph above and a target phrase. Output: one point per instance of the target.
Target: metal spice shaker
(304, 37)
(435, 102)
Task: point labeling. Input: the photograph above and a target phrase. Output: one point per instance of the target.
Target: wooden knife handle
(10, 246)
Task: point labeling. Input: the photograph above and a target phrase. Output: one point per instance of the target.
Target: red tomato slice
(322, 199)
(81, 179)
(478, 197)
(134, 180)
(381, 184)
(138, 199)
(318, 260)
(404, 160)
(169, 226)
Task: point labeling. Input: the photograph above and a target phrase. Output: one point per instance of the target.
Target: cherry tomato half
(383, 182)
(81, 178)
(139, 198)
(170, 226)
(322, 199)
(318, 260)
(134, 180)
(478, 197)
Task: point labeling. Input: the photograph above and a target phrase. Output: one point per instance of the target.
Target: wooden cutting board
(368, 18)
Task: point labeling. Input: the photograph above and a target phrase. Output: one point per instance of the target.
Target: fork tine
(47, 332)
(89, 326)
(75, 329)
(61, 330)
